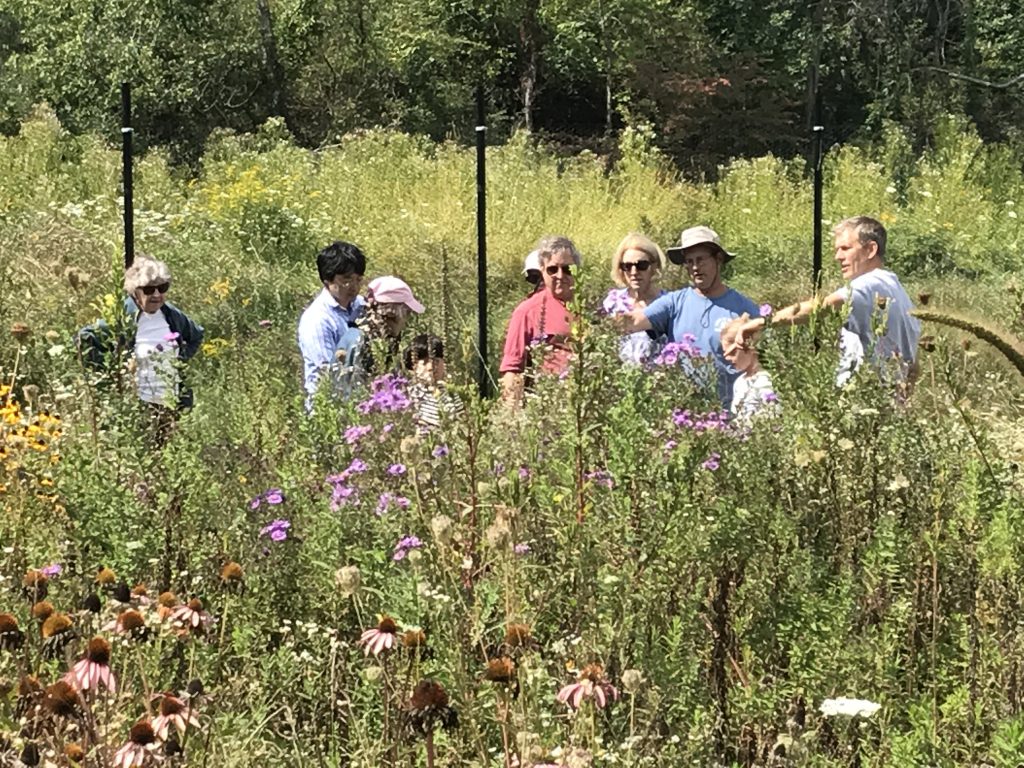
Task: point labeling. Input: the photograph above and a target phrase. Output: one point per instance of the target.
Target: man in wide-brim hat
(697, 313)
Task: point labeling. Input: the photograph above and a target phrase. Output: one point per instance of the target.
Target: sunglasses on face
(639, 266)
(149, 290)
(554, 269)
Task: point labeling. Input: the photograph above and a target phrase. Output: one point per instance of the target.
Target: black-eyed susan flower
(380, 638)
(590, 684)
(173, 712)
(93, 669)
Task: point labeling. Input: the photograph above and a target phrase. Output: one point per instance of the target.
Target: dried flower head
(442, 527)
(428, 707)
(61, 699)
(11, 636)
(92, 603)
(632, 680)
(74, 752)
(130, 622)
(105, 577)
(348, 580)
(21, 332)
(35, 585)
(501, 670)
(42, 610)
(56, 624)
(231, 576)
(142, 733)
(167, 599)
(414, 638)
(924, 297)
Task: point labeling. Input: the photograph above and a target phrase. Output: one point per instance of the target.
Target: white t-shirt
(155, 357)
(857, 339)
(752, 395)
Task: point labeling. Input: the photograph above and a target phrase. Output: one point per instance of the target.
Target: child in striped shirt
(424, 360)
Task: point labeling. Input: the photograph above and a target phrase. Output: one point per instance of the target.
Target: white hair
(145, 271)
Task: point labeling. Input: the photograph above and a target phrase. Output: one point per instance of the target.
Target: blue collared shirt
(321, 328)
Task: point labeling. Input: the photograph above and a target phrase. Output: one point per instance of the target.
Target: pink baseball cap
(393, 290)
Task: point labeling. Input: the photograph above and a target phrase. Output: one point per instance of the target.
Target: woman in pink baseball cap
(389, 303)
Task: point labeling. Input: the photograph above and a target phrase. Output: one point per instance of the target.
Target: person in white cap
(389, 303)
(531, 271)
(697, 313)
(876, 301)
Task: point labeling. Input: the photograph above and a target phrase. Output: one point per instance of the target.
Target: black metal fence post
(484, 380)
(126, 173)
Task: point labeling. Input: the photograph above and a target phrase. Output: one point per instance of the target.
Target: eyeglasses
(554, 269)
(700, 258)
(149, 290)
(639, 266)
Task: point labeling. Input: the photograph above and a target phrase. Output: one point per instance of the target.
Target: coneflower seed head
(56, 624)
(426, 694)
(167, 599)
(42, 610)
(171, 705)
(61, 699)
(231, 572)
(387, 624)
(8, 623)
(105, 577)
(517, 635)
(130, 621)
(500, 670)
(195, 604)
(74, 752)
(99, 651)
(142, 733)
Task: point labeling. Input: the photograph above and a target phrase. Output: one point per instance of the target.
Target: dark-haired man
(875, 300)
(331, 316)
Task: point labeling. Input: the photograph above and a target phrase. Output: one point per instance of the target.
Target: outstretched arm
(795, 314)
(631, 322)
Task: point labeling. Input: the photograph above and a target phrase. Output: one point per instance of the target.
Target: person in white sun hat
(695, 315)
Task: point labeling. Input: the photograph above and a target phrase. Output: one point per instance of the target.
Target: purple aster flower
(405, 545)
(499, 468)
(440, 452)
(354, 434)
(396, 470)
(765, 310)
(51, 570)
(277, 529)
(524, 472)
(769, 397)
(711, 462)
(172, 336)
(670, 445)
(522, 548)
(387, 395)
(600, 477)
(274, 496)
(255, 503)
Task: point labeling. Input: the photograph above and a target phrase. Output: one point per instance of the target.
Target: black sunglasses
(639, 266)
(554, 269)
(149, 290)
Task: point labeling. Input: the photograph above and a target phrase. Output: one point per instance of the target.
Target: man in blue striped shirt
(331, 315)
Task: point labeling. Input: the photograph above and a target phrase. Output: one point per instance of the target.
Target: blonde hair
(145, 271)
(732, 328)
(634, 240)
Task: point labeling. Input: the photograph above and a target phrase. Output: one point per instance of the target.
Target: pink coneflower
(93, 669)
(129, 622)
(192, 616)
(139, 749)
(591, 684)
(380, 638)
(173, 711)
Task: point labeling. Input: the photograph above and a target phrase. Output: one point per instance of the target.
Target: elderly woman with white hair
(541, 325)
(155, 336)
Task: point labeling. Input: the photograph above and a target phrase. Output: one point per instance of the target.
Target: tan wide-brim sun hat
(697, 236)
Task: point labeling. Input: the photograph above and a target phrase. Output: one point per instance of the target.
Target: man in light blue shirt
(697, 313)
(330, 319)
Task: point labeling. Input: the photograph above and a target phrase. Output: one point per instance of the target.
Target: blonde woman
(637, 266)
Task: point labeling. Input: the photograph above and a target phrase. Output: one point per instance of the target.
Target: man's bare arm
(795, 314)
(631, 322)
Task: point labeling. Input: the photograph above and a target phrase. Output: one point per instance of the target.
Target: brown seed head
(29, 685)
(414, 638)
(99, 651)
(232, 572)
(61, 699)
(21, 332)
(139, 590)
(171, 704)
(501, 670)
(428, 693)
(195, 604)
(167, 599)
(593, 672)
(388, 625)
(42, 610)
(74, 752)
(56, 624)
(106, 577)
(517, 635)
(8, 623)
(142, 733)
(924, 297)
(130, 621)
(34, 579)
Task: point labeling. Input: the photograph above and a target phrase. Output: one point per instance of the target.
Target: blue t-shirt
(687, 312)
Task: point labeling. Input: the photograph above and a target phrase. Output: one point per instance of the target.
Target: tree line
(716, 78)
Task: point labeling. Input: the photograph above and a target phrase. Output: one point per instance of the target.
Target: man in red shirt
(539, 329)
